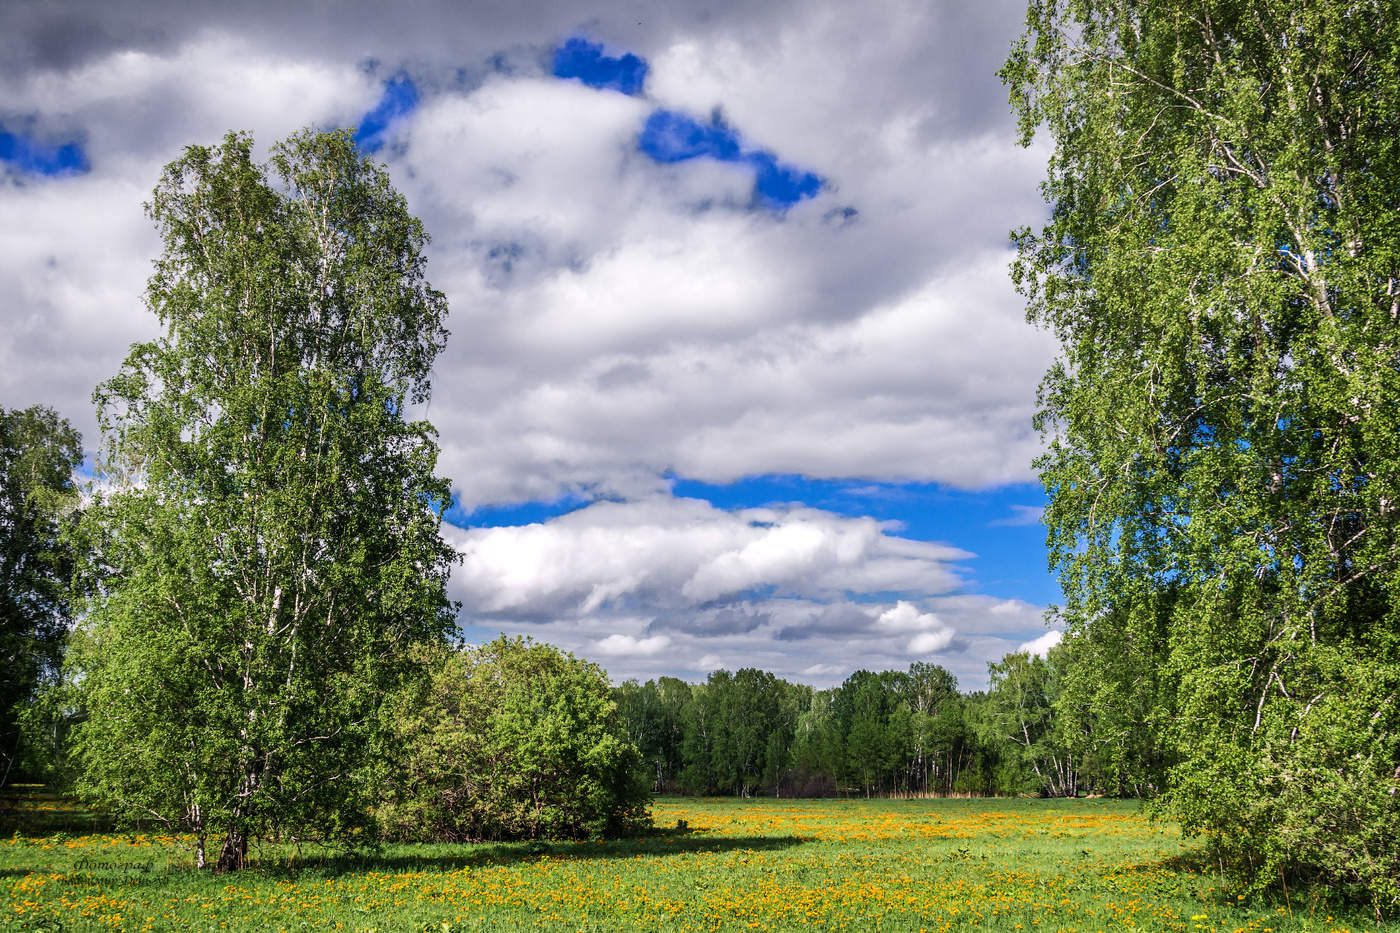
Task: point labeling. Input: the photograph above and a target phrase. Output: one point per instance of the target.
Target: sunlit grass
(857, 865)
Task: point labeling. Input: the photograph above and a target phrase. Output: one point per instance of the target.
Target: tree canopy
(267, 554)
(1222, 269)
(887, 733)
(38, 453)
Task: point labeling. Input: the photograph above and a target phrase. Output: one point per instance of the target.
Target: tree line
(891, 733)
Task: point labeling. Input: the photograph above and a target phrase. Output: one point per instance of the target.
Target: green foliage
(1222, 270)
(654, 716)
(867, 713)
(1110, 710)
(512, 740)
(1019, 717)
(738, 730)
(46, 724)
(888, 733)
(267, 550)
(38, 502)
(817, 750)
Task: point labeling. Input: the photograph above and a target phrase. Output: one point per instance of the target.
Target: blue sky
(588, 62)
(29, 156)
(677, 137)
(399, 99)
(993, 523)
(736, 374)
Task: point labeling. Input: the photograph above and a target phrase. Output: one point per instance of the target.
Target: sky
(737, 376)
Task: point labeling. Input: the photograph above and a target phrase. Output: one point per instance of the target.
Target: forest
(892, 733)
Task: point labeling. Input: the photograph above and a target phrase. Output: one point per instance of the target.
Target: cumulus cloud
(1041, 646)
(627, 318)
(617, 320)
(680, 586)
(931, 635)
(931, 642)
(667, 553)
(906, 617)
(877, 311)
(625, 645)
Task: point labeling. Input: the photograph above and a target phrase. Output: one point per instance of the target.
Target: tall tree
(1110, 712)
(931, 693)
(38, 453)
(1019, 718)
(653, 715)
(863, 710)
(749, 708)
(817, 749)
(1222, 269)
(271, 537)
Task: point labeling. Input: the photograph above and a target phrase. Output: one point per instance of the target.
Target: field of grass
(936, 865)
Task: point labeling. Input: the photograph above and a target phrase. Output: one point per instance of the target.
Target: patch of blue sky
(670, 136)
(511, 514)
(586, 61)
(33, 157)
(1000, 525)
(477, 634)
(398, 100)
(86, 471)
(776, 185)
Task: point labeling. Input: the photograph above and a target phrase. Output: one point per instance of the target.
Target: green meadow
(713, 864)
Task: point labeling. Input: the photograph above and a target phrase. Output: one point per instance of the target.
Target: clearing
(1002, 865)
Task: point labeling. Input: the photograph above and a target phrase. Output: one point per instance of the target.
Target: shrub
(512, 740)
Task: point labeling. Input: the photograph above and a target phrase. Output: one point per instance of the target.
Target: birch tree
(268, 546)
(1222, 269)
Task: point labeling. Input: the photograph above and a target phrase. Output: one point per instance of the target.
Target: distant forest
(897, 733)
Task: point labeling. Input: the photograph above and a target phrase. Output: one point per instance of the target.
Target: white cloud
(931, 642)
(906, 617)
(931, 635)
(708, 663)
(614, 319)
(616, 645)
(616, 322)
(685, 554)
(788, 589)
(1042, 645)
(1022, 515)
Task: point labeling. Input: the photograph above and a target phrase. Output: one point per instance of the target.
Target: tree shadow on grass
(32, 810)
(36, 813)
(449, 857)
(408, 858)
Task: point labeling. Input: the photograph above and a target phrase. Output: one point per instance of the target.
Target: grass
(936, 865)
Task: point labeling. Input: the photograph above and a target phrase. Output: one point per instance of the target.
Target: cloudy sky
(736, 376)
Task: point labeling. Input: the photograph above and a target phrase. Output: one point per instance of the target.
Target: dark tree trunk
(234, 855)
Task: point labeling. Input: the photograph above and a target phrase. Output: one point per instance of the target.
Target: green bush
(512, 740)
(1320, 799)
